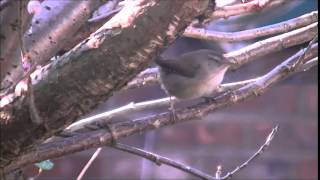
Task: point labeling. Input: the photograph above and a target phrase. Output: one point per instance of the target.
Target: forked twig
(157, 159)
(255, 155)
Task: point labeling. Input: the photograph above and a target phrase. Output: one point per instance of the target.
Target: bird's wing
(219, 58)
(172, 66)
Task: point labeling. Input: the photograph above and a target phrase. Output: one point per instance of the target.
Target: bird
(193, 74)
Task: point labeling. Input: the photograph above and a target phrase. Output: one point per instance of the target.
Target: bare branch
(273, 44)
(211, 35)
(309, 64)
(255, 155)
(153, 78)
(131, 107)
(300, 60)
(134, 107)
(86, 167)
(245, 54)
(103, 137)
(36, 176)
(244, 8)
(159, 160)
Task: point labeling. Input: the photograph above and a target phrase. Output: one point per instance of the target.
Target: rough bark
(14, 19)
(91, 72)
(51, 27)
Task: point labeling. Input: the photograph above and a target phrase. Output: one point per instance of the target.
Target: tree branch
(90, 27)
(103, 137)
(243, 8)
(245, 54)
(254, 156)
(134, 107)
(159, 160)
(301, 21)
(273, 44)
(131, 107)
(94, 23)
(85, 168)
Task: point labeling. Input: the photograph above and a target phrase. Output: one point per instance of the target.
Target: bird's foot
(173, 115)
(110, 128)
(209, 100)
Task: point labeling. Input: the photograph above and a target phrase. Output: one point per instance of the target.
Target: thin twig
(37, 175)
(255, 155)
(86, 167)
(235, 85)
(309, 64)
(157, 159)
(131, 107)
(285, 26)
(218, 172)
(241, 9)
(300, 60)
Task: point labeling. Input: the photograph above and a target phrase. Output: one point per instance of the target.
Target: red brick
(229, 134)
(281, 99)
(306, 134)
(307, 169)
(311, 97)
(180, 134)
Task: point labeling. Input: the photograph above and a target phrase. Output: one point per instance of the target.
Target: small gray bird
(194, 74)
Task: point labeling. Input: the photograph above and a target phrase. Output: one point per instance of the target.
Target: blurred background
(227, 137)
